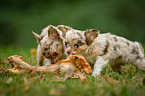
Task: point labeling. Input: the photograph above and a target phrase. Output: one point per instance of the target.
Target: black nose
(52, 62)
(68, 52)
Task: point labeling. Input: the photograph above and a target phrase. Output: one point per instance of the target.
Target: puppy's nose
(52, 62)
(68, 52)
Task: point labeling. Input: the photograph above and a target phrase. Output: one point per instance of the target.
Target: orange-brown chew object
(73, 62)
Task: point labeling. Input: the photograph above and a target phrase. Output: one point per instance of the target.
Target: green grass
(130, 81)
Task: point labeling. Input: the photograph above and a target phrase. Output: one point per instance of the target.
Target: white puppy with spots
(51, 44)
(102, 49)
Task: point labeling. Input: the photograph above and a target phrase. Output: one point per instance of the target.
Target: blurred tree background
(18, 18)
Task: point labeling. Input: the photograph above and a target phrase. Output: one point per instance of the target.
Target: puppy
(50, 45)
(102, 49)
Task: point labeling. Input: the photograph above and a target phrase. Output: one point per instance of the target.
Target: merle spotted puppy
(102, 49)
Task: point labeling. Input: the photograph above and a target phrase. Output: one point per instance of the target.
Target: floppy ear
(53, 33)
(64, 29)
(37, 36)
(91, 35)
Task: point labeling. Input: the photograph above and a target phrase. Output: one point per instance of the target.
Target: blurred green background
(18, 18)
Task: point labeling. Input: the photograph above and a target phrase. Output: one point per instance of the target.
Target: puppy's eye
(65, 43)
(76, 46)
(55, 54)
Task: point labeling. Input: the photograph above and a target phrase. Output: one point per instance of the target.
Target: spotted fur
(105, 49)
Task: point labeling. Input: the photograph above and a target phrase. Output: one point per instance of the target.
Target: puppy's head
(51, 43)
(78, 41)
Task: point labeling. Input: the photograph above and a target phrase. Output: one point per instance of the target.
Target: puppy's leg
(39, 57)
(116, 67)
(99, 65)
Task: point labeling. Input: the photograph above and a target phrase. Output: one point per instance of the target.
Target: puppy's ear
(53, 33)
(91, 35)
(64, 29)
(37, 36)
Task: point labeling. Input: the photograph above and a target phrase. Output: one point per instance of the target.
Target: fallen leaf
(33, 51)
(111, 80)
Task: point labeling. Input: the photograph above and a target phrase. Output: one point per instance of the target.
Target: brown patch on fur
(127, 43)
(106, 48)
(135, 51)
(91, 35)
(54, 35)
(115, 39)
(116, 47)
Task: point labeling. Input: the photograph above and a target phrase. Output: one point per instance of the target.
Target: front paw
(96, 75)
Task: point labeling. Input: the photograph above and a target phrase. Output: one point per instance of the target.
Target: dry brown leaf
(33, 51)
(111, 80)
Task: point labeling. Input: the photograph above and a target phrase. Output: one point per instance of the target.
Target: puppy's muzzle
(68, 52)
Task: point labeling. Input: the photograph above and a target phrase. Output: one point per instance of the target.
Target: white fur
(120, 51)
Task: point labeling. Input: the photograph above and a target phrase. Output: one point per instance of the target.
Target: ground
(131, 81)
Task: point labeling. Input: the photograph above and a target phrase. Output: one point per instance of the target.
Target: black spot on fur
(138, 57)
(135, 51)
(43, 53)
(115, 39)
(119, 57)
(45, 49)
(116, 47)
(55, 54)
(127, 43)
